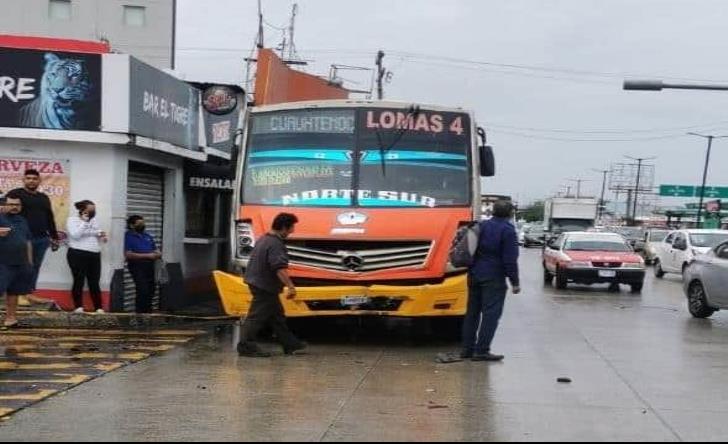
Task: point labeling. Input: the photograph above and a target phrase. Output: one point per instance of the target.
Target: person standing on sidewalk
(496, 260)
(141, 253)
(266, 275)
(84, 254)
(37, 210)
(16, 256)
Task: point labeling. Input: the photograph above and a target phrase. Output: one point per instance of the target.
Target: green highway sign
(713, 192)
(677, 191)
(693, 191)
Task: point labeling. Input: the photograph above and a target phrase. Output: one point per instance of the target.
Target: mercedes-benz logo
(353, 262)
(352, 218)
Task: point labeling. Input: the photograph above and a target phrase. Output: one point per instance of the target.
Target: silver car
(706, 282)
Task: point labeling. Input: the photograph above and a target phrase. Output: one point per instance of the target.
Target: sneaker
(8, 325)
(466, 354)
(487, 357)
(296, 347)
(251, 351)
(100, 311)
(79, 310)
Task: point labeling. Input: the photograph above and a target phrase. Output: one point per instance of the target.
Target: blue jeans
(40, 247)
(486, 301)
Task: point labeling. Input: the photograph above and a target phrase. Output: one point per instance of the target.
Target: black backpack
(465, 246)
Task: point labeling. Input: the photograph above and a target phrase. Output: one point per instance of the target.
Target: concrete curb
(47, 319)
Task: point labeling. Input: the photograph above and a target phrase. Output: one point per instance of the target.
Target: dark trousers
(40, 247)
(266, 309)
(145, 281)
(85, 266)
(486, 301)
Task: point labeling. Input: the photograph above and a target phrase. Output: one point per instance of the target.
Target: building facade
(136, 141)
(143, 28)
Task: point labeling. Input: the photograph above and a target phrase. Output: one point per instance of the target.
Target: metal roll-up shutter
(145, 197)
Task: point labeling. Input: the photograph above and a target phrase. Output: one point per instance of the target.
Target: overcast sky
(534, 72)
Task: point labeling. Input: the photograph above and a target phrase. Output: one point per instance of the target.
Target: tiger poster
(55, 181)
(50, 90)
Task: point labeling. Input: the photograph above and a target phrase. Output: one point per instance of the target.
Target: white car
(680, 248)
(653, 239)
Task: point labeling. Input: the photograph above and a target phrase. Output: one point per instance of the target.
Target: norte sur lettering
(362, 195)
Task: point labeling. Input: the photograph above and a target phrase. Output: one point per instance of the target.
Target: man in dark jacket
(496, 261)
(266, 275)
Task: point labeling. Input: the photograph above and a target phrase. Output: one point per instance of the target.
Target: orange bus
(380, 189)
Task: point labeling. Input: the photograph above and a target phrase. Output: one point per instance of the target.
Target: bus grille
(358, 256)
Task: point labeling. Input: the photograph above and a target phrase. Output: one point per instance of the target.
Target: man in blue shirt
(141, 253)
(496, 260)
(16, 256)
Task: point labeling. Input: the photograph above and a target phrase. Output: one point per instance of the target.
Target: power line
(513, 73)
(405, 59)
(277, 28)
(564, 139)
(519, 66)
(608, 131)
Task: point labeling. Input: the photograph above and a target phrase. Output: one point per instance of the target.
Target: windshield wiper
(412, 113)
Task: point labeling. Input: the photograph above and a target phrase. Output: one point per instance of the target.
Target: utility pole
(381, 73)
(291, 29)
(174, 35)
(705, 173)
(261, 41)
(604, 190)
(640, 161)
(628, 211)
(578, 186)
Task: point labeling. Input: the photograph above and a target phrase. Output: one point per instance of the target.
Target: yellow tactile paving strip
(38, 363)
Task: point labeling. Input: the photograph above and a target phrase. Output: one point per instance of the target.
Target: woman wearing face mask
(84, 254)
(141, 254)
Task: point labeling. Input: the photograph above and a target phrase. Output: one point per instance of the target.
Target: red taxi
(593, 258)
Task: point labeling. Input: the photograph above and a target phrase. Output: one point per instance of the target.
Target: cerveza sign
(50, 90)
(163, 107)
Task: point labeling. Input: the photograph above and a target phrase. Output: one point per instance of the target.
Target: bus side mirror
(487, 161)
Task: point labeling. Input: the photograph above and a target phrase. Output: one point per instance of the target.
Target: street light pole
(659, 85)
(705, 173)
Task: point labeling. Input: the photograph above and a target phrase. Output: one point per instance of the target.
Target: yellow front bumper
(446, 299)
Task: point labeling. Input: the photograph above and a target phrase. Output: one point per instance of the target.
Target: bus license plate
(353, 301)
(607, 274)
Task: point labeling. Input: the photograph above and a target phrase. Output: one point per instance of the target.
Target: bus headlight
(246, 239)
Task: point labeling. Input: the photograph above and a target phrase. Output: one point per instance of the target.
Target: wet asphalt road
(642, 369)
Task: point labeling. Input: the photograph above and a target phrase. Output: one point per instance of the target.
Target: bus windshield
(358, 157)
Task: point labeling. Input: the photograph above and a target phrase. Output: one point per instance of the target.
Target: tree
(534, 212)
